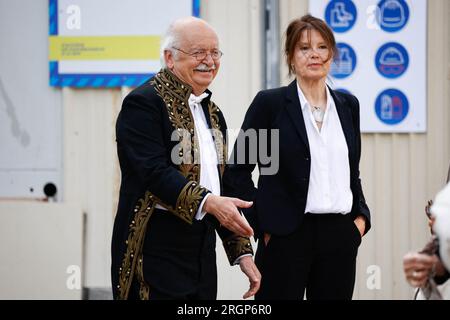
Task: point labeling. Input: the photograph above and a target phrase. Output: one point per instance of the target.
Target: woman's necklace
(318, 114)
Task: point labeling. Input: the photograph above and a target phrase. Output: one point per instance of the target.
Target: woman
(310, 215)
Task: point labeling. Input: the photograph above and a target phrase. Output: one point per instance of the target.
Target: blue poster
(341, 15)
(392, 15)
(391, 106)
(392, 60)
(344, 65)
(381, 45)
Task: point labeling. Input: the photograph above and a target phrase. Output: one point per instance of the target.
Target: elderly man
(171, 146)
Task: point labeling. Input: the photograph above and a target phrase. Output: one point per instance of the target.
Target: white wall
(30, 110)
(91, 171)
(74, 127)
(41, 250)
(38, 240)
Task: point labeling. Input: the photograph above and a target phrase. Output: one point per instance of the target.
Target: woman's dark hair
(307, 23)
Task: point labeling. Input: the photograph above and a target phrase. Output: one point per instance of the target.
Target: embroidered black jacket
(151, 116)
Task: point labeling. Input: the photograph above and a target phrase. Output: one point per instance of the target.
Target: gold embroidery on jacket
(236, 246)
(175, 96)
(144, 289)
(219, 139)
(135, 241)
(189, 200)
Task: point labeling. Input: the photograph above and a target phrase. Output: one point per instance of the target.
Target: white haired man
(171, 146)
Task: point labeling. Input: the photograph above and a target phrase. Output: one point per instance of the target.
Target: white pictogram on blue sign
(392, 15)
(391, 106)
(345, 64)
(341, 15)
(392, 60)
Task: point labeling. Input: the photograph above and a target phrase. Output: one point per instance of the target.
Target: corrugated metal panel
(91, 172)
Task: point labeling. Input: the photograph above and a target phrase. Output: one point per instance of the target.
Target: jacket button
(306, 158)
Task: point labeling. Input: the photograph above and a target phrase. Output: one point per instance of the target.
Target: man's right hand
(226, 211)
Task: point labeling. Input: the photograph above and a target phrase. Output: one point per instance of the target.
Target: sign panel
(382, 59)
(109, 43)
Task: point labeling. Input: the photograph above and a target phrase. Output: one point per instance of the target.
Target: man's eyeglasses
(202, 54)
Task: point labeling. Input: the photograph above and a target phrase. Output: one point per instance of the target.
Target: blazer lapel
(345, 117)
(295, 111)
(220, 142)
(204, 104)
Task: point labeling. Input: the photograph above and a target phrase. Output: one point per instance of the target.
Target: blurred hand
(251, 271)
(226, 211)
(267, 237)
(418, 267)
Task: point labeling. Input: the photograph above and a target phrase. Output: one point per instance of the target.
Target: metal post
(271, 44)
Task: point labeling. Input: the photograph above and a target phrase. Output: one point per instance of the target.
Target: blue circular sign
(341, 15)
(392, 15)
(392, 60)
(391, 106)
(345, 63)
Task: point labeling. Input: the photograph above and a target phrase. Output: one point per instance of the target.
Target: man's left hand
(249, 268)
(360, 224)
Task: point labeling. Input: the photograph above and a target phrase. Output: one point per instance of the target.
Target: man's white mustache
(204, 67)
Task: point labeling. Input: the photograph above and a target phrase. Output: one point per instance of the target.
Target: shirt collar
(196, 100)
(178, 88)
(304, 103)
